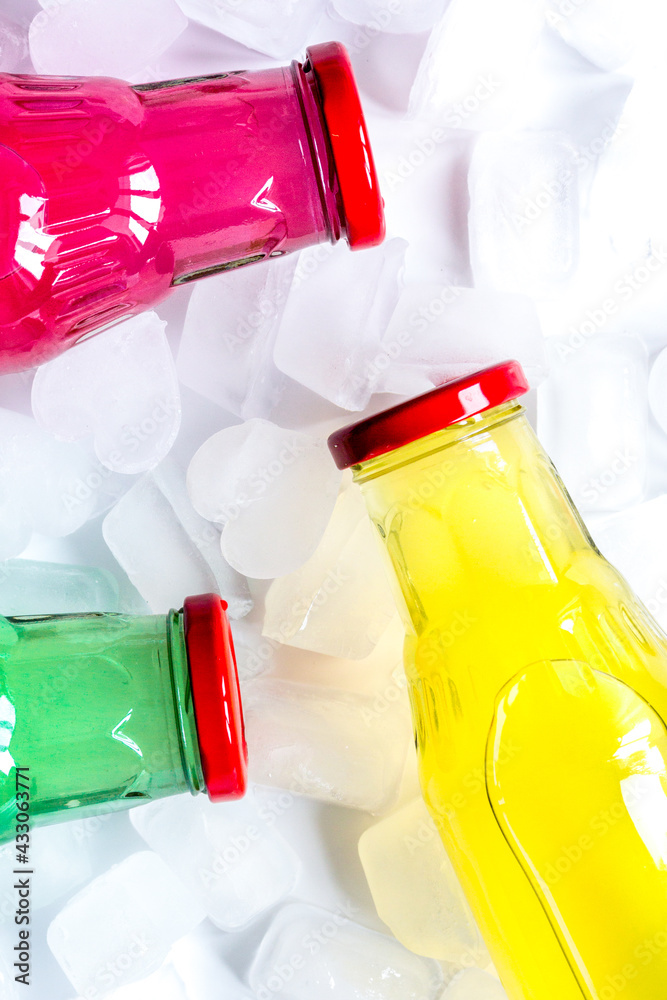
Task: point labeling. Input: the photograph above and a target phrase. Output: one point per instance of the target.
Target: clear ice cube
(226, 351)
(387, 15)
(98, 38)
(45, 485)
(279, 28)
(165, 984)
(28, 587)
(592, 418)
(635, 542)
(440, 332)
(161, 559)
(315, 953)
(474, 984)
(332, 745)
(121, 388)
(657, 389)
(609, 33)
(339, 601)
(120, 927)
(13, 44)
(224, 853)
(338, 308)
(415, 889)
(523, 222)
(271, 489)
(474, 62)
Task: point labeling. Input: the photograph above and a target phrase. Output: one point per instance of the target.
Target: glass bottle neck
(476, 506)
(245, 168)
(183, 703)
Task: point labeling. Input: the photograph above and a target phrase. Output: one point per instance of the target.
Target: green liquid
(103, 714)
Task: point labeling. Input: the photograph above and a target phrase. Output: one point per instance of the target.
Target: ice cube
(200, 961)
(474, 984)
(44, 484)
(635, 542)
(226, 351)
(165, 984)
(332, 745)
(523, 221)
(102, 38)
(474, 62)
(634, 227)
(13, 44)
(224, 853)
(657, 389)
(315, 953)
(339, 306)
(163, 562)
(280, 28)
(254, 652)
(415, 889)
(170, 480)
(339, 601)
(592, 418)
(440, 332)
(31, 587)
(121, 388)
(607, 32)
(143, 909)
(273, 491)
(387, 15)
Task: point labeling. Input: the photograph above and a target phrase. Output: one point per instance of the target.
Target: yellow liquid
(539, 693)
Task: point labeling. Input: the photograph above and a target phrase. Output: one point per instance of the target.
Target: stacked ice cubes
(184, 451)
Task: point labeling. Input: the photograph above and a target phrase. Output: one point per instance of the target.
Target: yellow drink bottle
(538, 685)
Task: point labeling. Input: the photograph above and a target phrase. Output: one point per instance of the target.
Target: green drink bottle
(100, 712)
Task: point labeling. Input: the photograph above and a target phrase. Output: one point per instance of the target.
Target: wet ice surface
(328, 955)
(507, 237)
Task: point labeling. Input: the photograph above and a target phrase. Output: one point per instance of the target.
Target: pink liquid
(111, 194)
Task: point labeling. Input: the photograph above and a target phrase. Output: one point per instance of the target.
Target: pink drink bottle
(111, 194)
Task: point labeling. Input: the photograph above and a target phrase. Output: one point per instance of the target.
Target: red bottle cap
(216, 697)
(416, 418)
(363, 207)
